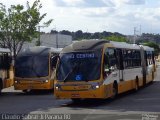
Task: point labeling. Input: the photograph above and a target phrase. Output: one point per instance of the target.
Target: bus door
(111, 65)
(120, 64)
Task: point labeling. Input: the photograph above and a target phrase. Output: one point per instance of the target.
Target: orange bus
(102, 69)
(6, 69)
(34, 68)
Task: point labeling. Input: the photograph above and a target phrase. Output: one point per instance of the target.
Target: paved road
(129, 106)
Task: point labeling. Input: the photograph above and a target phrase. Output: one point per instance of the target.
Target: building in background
(51, 40)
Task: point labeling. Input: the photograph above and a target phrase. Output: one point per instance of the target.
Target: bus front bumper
(30, 85)
(79, 94)
(82, 90)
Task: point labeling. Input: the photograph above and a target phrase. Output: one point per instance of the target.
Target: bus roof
(85, 45)
(37, 50)
(4, 50)
(96, 44)
(147, 48)
(125, 45)
(56, 50)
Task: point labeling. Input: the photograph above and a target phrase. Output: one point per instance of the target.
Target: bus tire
(26, 91)
(114, 90)
(76, 100)
(136, 84)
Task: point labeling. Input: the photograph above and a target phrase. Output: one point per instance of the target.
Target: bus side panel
(108, 90)
(125, 86)
(7, 78)
(10, 80)
(150, 73)
(140, 82)
(130, 79)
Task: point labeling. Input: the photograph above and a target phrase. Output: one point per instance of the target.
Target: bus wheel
(114, 91)
(26, 91)
(76, 100)
(136, 86)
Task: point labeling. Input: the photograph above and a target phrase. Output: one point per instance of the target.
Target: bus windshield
(79, 66)
(32, 66)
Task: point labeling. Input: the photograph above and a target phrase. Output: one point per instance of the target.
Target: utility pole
(134, 35)
(140, 30)
(39, 36)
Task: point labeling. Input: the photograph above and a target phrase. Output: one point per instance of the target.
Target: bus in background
(100, 69)
(34, 68)
(148, 64)
(6, 69)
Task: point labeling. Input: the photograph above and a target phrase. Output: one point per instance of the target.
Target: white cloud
(82, 3)
(99, 15)
(96, 12)
(128, 2)
(73, 2)
(134, 2)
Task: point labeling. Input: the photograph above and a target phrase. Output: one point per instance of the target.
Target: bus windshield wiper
(70, 72)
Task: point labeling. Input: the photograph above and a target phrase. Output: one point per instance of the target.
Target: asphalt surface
(141, 105)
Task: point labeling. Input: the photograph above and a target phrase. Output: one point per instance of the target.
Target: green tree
(116, 38)
(19, 25)
(78, 35)
(153, 45)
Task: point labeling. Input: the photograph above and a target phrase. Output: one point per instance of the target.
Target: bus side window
(136, 58)
(120, 59)
(106, 65)
(106, 61)
(110, 59)
(145, 57)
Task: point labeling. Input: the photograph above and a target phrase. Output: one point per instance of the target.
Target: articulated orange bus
(102, 69)
(6, 69)
(34, 68)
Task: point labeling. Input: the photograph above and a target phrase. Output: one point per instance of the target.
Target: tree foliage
(153, 45)
(19, 25)
(79, 34)
(117, 38)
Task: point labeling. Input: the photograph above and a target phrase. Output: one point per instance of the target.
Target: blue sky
(100, 15)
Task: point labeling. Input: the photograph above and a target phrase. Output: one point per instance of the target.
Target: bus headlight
(97, 86)
(57, 88)
(15, 81)
(46, 81)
